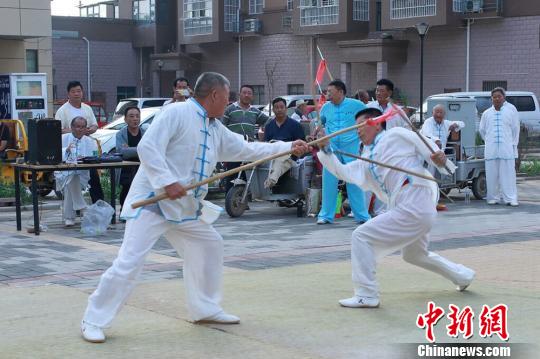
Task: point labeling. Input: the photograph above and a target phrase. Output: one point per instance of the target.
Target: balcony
(474, 9)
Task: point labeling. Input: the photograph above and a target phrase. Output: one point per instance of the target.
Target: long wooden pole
(395, 168)
(219, 176)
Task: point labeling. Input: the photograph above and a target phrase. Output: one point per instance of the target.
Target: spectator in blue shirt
(336, 114)
(282, 127)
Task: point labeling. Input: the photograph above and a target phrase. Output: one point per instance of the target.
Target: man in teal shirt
(338, 113)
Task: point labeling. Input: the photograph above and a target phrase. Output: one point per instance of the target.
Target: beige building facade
(25, 39)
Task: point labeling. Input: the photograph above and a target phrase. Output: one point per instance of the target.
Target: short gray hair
(498, 89)
(76, 118)
(439, 106)
(207, 82)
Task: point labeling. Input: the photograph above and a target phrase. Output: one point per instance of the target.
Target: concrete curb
(28, 207)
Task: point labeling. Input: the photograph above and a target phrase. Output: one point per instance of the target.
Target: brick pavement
(265, 237)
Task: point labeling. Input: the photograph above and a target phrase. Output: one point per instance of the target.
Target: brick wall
(112, 64)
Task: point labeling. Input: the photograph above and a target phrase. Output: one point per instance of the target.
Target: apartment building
(25, 38)
(273, 44)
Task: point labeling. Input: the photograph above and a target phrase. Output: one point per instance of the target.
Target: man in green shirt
(241, 117)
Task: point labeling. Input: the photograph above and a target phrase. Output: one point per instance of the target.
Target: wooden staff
(219, 176)
(406, 119)
(395, 168)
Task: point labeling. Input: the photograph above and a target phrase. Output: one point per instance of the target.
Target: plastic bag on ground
(96, 218)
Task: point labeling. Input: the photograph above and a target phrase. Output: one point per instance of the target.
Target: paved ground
(283, 276)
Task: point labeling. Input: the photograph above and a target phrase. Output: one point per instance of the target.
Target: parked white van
(525, 102)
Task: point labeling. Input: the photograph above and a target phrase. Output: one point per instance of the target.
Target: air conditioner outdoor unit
(474, 5)
(252, 25)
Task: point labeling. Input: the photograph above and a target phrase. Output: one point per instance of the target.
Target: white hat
(300, 102)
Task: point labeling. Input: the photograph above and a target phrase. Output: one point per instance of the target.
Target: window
(490, 85)
(290, 5)
(404, 9)
(522, 103)
(258, 94)
(286, 22)
(123, 92)
(232, 15)
(144, 10)
(295, 89)
(197, 17)
(449, 90)
(458, 5)
(153, 103)
(318, 12)
(32, 61)
(361, 10)
(256, 6)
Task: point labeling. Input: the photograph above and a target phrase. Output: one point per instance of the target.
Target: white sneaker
(221, 318)
(468, 276)
(360, 302)
(514, 204)
(350, 215)
(323, 221)
(492, 202)
(69, 222)
(91, 333)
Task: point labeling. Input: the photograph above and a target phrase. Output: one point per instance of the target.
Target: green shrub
(531, 168)
(7, 190)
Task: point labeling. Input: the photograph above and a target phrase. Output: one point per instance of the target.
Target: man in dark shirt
(281, 128)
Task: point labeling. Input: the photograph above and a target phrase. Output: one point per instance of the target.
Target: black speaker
(44, 141)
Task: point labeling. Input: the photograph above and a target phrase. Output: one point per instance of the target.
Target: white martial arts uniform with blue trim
(440, 131)
(500, 131)
(182, 145)
(411, 208)
(71, 183)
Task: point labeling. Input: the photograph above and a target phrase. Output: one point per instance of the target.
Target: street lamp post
(159, 64)
(422, 30)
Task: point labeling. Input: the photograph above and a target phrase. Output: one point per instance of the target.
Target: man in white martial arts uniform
(438, 128)
(180, 148)
(499, 127)
(411, 209)
(75, 145)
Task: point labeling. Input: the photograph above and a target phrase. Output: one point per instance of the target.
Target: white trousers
(404, 227)
(73, 198)
(501, 180)
(203, 267)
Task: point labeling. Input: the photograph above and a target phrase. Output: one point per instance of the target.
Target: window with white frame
(144, 10)
(361, 10)
(197, 17)
(231, 15)
(404, 9)
(458, 5)
(295, 89)
(319, 12)
(256, 6)
(290, 5)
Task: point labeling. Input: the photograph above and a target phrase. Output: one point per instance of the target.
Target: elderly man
(499, 127)
(336, 114)
(239, 114)
(300, 113)
(411, 213)
(383, 95)
(438, 128)
(181, 148)
(75, 145)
